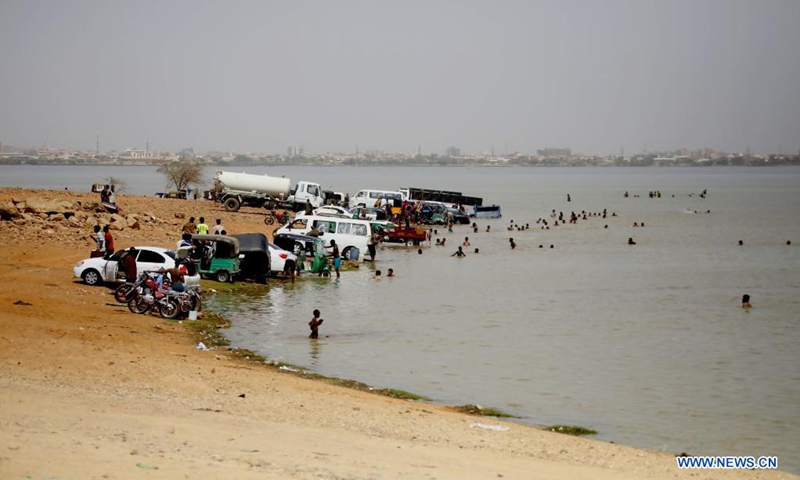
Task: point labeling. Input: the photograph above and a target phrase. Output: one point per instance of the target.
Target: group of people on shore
(201, 228)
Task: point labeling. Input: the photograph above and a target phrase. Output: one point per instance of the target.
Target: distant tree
(120, 185)
(182, 173)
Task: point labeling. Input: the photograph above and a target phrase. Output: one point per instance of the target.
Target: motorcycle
(175, 304)
(281, 218)
(125, 292)
(149, 294)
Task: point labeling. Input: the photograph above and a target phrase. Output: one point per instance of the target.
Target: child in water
(746, 301)
(314, 324)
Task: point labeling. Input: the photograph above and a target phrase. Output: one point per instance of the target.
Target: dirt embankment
(89, 390)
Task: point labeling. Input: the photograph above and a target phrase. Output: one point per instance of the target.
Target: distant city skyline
(264, 76)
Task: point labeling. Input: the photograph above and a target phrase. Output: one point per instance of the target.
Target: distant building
(453, 152)
(554, 152)
(133, 153)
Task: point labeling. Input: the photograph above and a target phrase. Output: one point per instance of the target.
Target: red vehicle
(409, 236)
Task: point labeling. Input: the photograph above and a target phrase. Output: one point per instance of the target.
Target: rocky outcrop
(9, 211)
(39, 205)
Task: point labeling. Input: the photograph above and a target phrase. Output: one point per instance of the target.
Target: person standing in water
(337, 259)
(314, 324)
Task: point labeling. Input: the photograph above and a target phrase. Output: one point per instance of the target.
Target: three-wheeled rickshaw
(254, 256)
(217, 256)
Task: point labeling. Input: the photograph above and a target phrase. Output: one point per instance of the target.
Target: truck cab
(307, 191)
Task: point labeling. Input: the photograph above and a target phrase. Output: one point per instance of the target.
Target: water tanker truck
(236, 189)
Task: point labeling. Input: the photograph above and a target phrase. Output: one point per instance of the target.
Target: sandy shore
(89, 390)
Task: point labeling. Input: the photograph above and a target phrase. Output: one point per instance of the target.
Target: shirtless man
(175, 276)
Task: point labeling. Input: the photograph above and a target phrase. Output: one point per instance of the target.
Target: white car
(328, 211)
(97, 270)
(278, 257)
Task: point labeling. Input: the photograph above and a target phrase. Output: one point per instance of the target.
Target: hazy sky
(593, 75)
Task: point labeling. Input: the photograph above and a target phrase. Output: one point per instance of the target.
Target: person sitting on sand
(746, 301)
(459, 253)
(314, 324)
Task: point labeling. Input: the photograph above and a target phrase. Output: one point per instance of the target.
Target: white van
(367, 198)
(349, 234)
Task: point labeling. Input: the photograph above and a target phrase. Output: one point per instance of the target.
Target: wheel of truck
(298, 249)
(409, 243)
(269, 219)
(223, 276)
(346, 253)
(232, 204)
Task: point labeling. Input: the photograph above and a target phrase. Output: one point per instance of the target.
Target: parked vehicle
(329, 211)
(220, 256)
(179, 304)
(457, 216)
(352, 236)
(409, 236)
(450, 198)
(486, 211)
(98, 270)
(236, 189)
(368, 213)
(278, 257)
(300, 244)
(369, 198)
(255, 257)
(276, 216)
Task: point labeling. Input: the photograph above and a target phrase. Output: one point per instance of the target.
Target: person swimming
(746, 301)
(459, 253)
(631, 242)
(512, 244)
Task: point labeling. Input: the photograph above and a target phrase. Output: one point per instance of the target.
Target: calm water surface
(646, 344)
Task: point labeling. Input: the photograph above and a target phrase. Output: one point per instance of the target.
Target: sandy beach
(91, 391)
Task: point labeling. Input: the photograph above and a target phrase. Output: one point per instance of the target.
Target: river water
(647, 343)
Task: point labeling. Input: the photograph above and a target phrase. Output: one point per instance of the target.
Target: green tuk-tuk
(217, 256)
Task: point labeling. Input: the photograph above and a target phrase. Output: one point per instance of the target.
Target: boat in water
(486, 211)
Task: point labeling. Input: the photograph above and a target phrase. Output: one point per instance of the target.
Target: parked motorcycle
(176, 304)
(146, 294)
(281, 218)
(125, 292)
